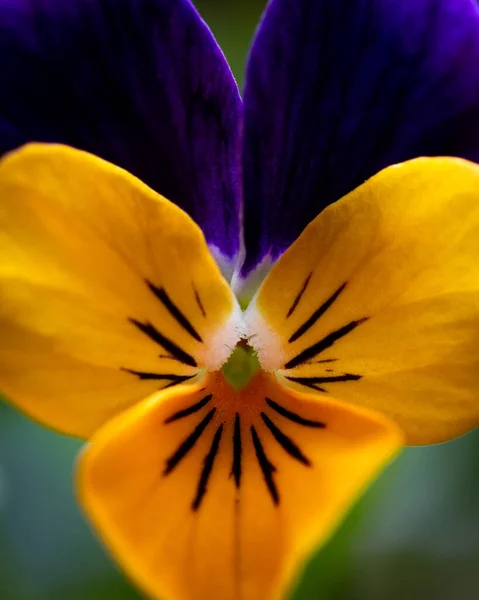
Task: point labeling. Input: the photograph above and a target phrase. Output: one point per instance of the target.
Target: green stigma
(241, 365)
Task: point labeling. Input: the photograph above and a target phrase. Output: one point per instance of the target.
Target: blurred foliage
(414, 534)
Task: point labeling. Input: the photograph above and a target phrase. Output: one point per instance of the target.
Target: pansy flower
(243, 305)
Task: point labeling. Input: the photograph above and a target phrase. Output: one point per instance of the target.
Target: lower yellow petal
(377, 302)
(209, 493)
(107, 290)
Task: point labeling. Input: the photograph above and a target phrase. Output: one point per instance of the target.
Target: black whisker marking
(325, 360)
(237, 452)
(152, 332)
(144, 375)
(168, 357)
(174, 311)
(267, 468)
(288, 414)
(208, 464)
(317, 314)
(188, 443)
(315, 382)
(313, 386)
(199, 303)
(285, 441)
(190, 410)
(173, 383)
(323, 344)
(299, 296)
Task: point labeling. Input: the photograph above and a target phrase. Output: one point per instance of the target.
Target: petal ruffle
(377, 302)
(140, 83)
(205, 492)
(336, 90)
(107, 290)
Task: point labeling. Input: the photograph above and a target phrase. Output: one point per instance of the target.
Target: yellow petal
(108, 291)
(204, 492)
(377, 302)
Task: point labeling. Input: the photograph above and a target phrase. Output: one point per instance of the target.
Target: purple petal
(337, 90)
(141, 83)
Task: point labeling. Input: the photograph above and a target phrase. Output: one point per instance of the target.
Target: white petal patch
(266, 342)
(221, 344)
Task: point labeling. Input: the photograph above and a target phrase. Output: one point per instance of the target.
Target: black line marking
(299, 296)
(325, 360)
(144, 375)
(152, 332)
(266, 467)
(168, 357)
(237, 452)
(208, 464)
(323, 344)
(284, 412)
(285, 441)
(314, 382)
(199, 303)
(174, 311)
(190, 410)
(188, 443)
(316, 315)
(173, 383)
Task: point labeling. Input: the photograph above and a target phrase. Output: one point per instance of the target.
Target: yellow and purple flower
(246, 350)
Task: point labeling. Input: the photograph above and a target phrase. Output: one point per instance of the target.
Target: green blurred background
(413, 536)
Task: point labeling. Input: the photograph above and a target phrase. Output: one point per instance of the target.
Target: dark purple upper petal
(337, 90)
(141, 83)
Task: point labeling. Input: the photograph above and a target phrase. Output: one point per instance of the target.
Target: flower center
(242, 364)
